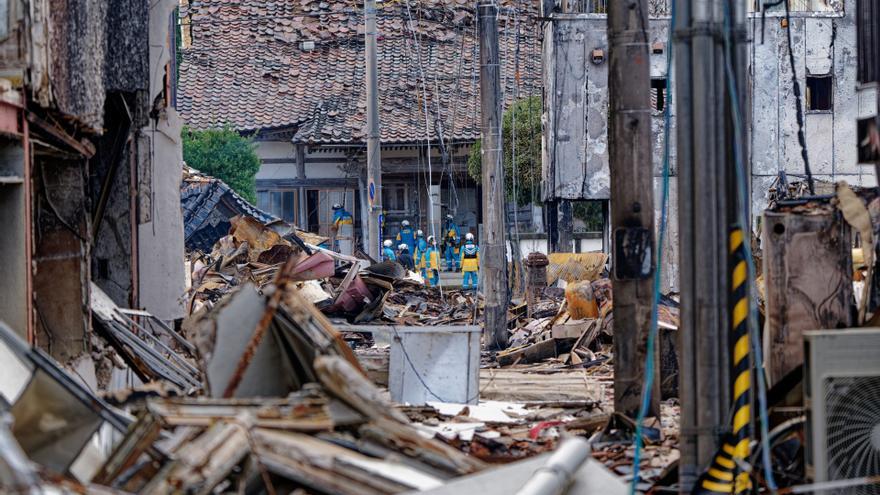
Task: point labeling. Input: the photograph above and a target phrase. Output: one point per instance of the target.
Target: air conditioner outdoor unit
(843, 407)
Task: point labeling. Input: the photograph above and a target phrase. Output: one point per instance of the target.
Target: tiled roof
(207, 205)
(243, 66)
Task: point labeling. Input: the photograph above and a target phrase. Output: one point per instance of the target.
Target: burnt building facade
(87, 134)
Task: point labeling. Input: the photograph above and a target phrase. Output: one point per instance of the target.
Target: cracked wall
(160, 169)
(575, 154)
(823, 44)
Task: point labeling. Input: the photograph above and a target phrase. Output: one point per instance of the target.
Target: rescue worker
(404, 258)
(343, 230)
(451, 240)
(407, 236)
(432, 262)
(470, 262)
(421, 247)
(387, 252)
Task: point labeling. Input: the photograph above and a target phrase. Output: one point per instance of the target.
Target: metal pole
(632, 205)
(373, 238)
(707, 209)
(494, 255)
(684, 161)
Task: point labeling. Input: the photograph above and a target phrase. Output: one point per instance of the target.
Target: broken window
(56, 417)
(282, 204)
(819, 93)
(658, 94)
(394, 198)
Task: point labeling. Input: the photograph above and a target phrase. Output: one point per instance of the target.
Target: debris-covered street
(441, 247)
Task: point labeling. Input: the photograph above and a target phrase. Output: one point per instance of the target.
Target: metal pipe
(554, 477)
(683, 123)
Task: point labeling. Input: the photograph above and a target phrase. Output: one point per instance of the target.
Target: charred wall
(78, 46)
(111, 188)
(824, 47)
(61, 252)
(126, 65)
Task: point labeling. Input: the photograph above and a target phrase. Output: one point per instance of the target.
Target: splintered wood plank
(521, 385)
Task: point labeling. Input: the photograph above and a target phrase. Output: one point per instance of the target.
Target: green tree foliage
(522, 119)
(225, 154)
(591, 213)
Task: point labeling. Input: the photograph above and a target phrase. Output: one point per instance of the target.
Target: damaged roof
(207, 204)
(243, 65)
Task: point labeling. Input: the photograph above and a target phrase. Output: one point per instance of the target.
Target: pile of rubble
(279, 406)
(352, 288)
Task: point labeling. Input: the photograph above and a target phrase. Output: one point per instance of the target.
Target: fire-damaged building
(291, 74)
(90, 165)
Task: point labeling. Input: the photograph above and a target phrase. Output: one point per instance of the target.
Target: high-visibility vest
(432, 259)
(342, 217)
(470, 258)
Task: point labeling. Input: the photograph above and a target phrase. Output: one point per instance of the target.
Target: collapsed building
(90, 167)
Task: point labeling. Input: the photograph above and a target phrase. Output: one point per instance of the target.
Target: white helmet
(405, 223)
(420, 233)
(387, 243)
(449, 217)
(337, 206)
(402, 247)
(469, 237)
(430, 239)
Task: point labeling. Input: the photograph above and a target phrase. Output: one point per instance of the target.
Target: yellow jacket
(433, 260)
(470, 258)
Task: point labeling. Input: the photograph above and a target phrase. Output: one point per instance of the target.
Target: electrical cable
(54, 210)
(421, 380)
(742, 196)
(664, 215)
(798, 105)
(428, 182)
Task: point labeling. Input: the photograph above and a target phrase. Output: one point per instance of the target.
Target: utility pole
(374, 151)
(632, 200)
(707, 208)
(494, 255)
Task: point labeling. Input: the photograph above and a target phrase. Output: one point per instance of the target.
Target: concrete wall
(576, 152)
(822, 43)
(575, 162)
(160, 229)
(527, 246)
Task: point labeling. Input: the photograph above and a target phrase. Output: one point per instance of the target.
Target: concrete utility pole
(706, 210)
(632, 200)
(373, 239)
(493, 257)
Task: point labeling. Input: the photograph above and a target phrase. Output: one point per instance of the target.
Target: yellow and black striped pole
(726, 474)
